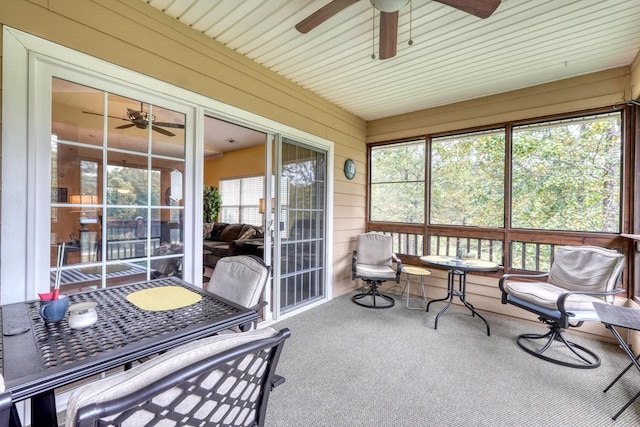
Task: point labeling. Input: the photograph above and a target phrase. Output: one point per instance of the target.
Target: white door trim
(23, 266)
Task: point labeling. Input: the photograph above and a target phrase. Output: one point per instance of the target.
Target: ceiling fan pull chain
(410, 43)
(373, 33)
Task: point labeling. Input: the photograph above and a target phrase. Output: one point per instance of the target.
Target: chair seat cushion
(546, 295)
(375, 271)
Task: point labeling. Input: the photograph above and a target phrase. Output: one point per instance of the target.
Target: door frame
(19, 201)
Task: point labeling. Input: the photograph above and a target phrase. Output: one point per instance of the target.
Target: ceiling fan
(141, 120)
(389, 17)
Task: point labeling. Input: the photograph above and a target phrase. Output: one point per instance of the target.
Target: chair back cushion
(240, 279)
(374, 249)
(586, 268)
(142, 376)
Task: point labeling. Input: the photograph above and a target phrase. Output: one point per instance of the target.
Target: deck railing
(520, 255)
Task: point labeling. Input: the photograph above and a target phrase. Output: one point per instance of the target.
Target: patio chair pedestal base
(589, 359)
(378, 299)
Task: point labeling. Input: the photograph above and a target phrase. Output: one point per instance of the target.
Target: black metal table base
(378, 299)
(460, 293)
(634, 362)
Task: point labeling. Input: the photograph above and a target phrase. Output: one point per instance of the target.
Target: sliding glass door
(302, 200)
(117, 167)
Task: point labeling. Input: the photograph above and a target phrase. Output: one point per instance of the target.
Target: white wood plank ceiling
(454, 57)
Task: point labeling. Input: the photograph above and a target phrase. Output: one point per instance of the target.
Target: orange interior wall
(235, 164)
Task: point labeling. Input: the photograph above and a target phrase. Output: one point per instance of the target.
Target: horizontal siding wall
(590, 91)
(140, 38)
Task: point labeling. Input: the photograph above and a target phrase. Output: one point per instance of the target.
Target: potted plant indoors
(211, 203)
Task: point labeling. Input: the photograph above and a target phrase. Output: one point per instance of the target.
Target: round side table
(411, 270)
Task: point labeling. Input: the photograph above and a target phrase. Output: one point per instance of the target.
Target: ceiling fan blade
(163, 131)
(322, 14)
(169, 125)
(480, 8)
(102, 115)
(388, 34)
(126, 126)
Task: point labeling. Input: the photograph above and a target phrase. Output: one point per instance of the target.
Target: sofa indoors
(221, 239)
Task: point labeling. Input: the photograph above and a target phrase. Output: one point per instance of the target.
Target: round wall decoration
(349, 169)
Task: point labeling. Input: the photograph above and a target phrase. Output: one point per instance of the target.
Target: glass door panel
(167, 138)
(116, 188)
(302, 231)
(128, 124)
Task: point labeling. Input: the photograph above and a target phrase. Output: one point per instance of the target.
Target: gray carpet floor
(346, 365)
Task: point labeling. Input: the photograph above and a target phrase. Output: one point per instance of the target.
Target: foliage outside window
(567, 175)
(397, 182)
(467, 179)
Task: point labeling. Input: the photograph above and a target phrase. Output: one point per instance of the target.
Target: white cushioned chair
(578, 277)
(372, 262)
(224, 380)
(241, 279)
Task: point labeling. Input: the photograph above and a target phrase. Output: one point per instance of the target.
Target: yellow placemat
(164, 298)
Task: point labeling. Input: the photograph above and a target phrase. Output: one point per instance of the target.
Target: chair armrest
(516, 276)
(398, 266)
(354, 260)
(277, 380)
(259, 305)
(563, 298)
(255, 308)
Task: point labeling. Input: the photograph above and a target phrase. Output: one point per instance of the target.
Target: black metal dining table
(458, 267)
(38, 357)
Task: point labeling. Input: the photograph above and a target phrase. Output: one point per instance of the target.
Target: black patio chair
(224, 380)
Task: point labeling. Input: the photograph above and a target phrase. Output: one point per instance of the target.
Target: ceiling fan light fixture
(389, 5)
(148, 117)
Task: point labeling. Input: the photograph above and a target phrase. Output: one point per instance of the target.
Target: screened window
(467, 179)
(241, 200)
(488, 189)
(397, 182)
(567, 174)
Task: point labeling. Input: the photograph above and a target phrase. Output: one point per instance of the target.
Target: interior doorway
(235, 170)
(274, 195)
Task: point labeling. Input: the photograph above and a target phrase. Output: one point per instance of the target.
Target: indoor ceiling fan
(389, 17)
(141, 120)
